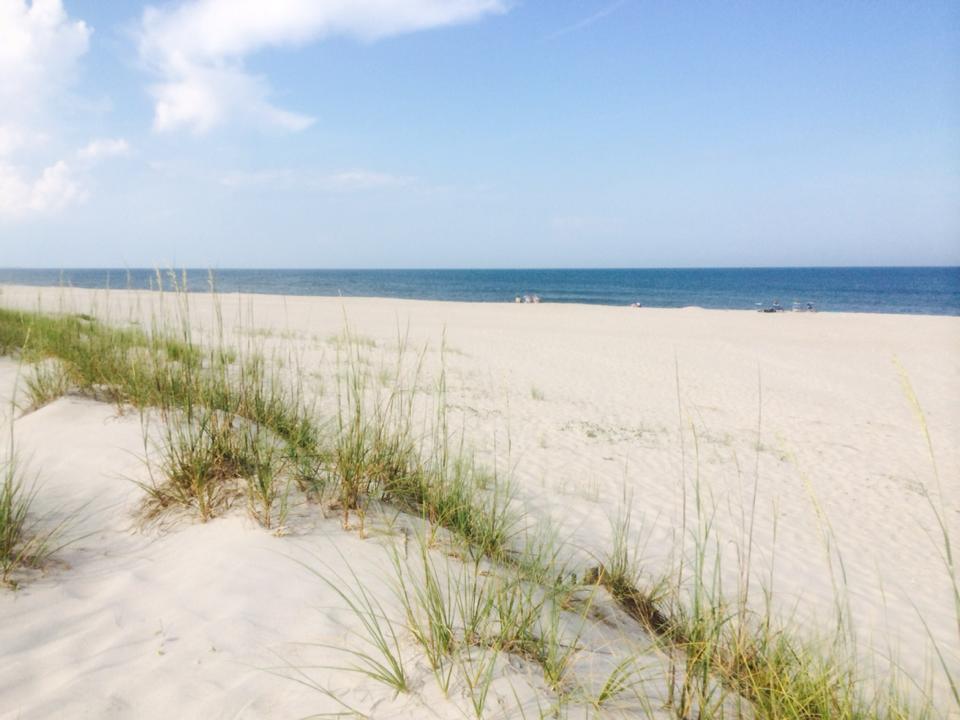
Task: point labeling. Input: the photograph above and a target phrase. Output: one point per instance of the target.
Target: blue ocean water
(916, 290)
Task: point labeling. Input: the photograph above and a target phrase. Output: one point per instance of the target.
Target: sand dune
(582, 406)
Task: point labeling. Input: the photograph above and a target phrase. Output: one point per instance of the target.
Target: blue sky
(478, 133)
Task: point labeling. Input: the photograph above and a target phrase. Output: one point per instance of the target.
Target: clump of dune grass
(15, 500)
(267, 480)
(379, 453)
(23, 543)
(201, 461)
(475, 507)
(215, 415)
(157, 369)
(207, 458)
(378, 456)
(374, 453)
(467, 614)
(45, 382)
(267, 440)
(620, 575)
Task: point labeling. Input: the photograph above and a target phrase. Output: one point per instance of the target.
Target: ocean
(914, 290)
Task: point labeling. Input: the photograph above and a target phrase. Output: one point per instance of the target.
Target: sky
(478, 133)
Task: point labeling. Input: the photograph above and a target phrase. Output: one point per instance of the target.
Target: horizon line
(168, 268)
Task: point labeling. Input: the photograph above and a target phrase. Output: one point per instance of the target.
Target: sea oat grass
(230, 426)
(207, 406)
(382, 660)
(24, 542)
(15, 501)
(199, 453)
(45, 382)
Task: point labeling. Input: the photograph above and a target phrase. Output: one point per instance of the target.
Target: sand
(582, 406)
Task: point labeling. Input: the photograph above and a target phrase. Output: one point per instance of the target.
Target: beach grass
(16, 498)
(25, 541)
(45, 382)
(382, 659)
(219, 422)
(230, 426)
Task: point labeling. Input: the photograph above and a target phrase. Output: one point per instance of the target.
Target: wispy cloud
(197, 49)
(104, 148)
(587, 21)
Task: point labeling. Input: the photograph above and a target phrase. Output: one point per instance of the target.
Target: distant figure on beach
(636, 304)
(527, 299)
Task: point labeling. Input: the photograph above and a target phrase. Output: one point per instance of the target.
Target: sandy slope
(130, 624)
(582, 405)
(198, 621)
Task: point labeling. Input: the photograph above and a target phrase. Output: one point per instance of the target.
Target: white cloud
(53, 189)
(39, 49)
(198, 48)
(203, 97)
(104, 148)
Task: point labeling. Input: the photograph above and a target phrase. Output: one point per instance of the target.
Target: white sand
(581, 404)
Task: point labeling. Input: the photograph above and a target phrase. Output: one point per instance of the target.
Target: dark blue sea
(925, 291)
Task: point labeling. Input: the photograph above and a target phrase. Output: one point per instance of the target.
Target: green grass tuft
(23, 543)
